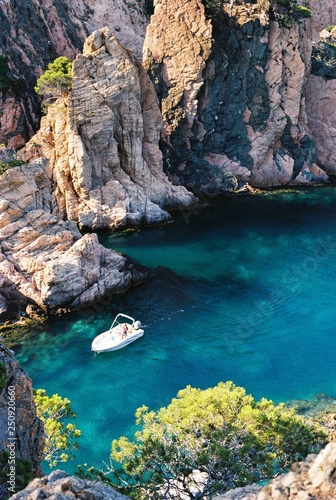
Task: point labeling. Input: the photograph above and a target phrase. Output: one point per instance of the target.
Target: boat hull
(107, 341)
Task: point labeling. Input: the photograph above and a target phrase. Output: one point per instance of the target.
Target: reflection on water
(244, 292)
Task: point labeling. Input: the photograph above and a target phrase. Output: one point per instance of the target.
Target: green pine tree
(56, 81)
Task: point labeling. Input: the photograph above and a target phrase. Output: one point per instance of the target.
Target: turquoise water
(243, 290)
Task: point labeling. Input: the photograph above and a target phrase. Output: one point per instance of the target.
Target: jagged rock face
(323, 15)
(321, 111)
(59, 485)
(35, 32)
(179, 40)
(248, 118)
(103, 144)
(313, 478)
(29, 431)
(44, 261)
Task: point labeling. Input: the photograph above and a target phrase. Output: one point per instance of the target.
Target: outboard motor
(137, 325)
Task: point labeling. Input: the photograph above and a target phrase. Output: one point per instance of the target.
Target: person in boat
(125, 331)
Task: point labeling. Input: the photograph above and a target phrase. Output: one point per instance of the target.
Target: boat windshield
(121, 319)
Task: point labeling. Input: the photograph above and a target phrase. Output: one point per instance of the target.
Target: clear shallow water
(244, 291)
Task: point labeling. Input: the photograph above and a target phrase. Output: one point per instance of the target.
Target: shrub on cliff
(287, 12)
(8, 159)
(57, 79)
(209, 440)
(60, 437)
(3, 376)
(5, 79)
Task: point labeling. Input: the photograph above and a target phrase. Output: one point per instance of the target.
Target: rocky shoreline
(220, 104)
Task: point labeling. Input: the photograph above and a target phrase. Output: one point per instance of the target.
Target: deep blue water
(243, 290)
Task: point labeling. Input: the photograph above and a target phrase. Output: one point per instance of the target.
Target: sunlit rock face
(45, 261)
(59, 485)
(321, 100)
(232, 96)
(35, 32)
(323, 15)
(103, 143)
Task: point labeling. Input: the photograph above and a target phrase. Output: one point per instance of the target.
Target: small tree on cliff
(60, 437)
(209, 440)
(57, 79)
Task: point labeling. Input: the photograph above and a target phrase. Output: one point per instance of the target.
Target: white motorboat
(122, 332)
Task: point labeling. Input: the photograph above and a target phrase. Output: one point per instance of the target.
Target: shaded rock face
(103, 143)
(313, 478)
(59, 485)
(44, 261)
(29, 433)
(35, 32)
(247, 122)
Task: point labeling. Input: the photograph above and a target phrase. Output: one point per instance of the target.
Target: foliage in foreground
(56, 81)
(209, 440)
(60, 437)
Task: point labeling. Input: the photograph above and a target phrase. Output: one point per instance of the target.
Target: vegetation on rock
(324, 60)
(60, 436)
(6, 81)
(3, 376)
(56, 81)
(209, 440)
(8, 159)
(23, 474)
(287, 12)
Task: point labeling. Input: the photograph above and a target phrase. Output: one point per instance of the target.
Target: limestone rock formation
(28, 434)
(321, 98)
(103, 143)
(35, 32)
(242, 117)
(321, 111)
(44, 260)
(312, 479)
(179, 40)
(61, 486)
(323, 15)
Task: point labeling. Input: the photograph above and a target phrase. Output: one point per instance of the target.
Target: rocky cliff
(44, 260)
(312, 479)
(321, 88)
(323, 15)
(35, 32)
(237, 111)
(27, 433)
(59, 485)
(102, 143)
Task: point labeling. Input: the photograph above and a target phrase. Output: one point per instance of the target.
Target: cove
(242, 290)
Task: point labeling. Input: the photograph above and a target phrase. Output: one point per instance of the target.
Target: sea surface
(242, 290)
